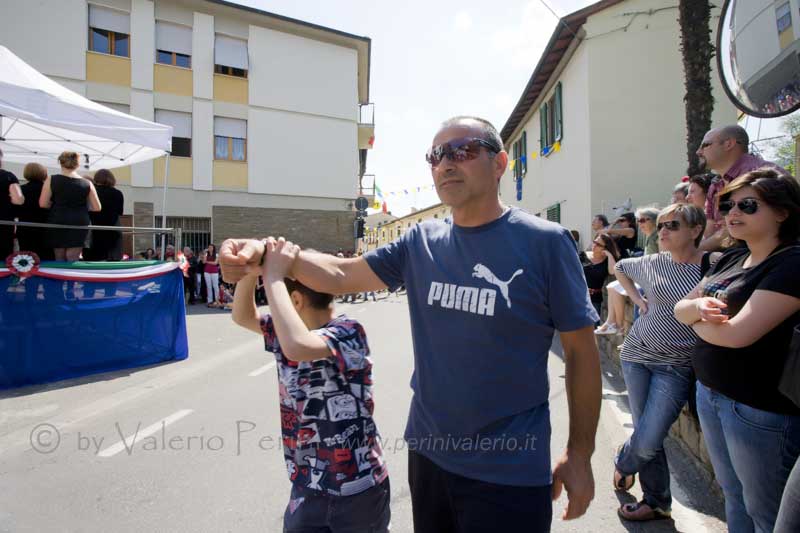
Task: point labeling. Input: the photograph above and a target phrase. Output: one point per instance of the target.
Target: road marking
(687, 519)
(130, 441)
(259, 371)
(181, 372)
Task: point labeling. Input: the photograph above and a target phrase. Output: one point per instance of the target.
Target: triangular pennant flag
(376, 204)
(557, 146)
(385, 208)
(512, 164)
(523, 159)
(533, 155)
(378, 192)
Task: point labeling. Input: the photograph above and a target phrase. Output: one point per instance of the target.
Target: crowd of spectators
(712, 281)
(783, 100)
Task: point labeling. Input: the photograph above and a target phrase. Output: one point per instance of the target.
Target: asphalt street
(194, 446)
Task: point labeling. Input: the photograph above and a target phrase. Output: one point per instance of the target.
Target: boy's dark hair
(317, 300)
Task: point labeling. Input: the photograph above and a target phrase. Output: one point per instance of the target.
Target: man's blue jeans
(753, 452)
(656, 394)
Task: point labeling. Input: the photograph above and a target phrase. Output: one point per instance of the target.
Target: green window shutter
(524, 150)
(557, 117)
(554, 213)
(543, 128)
(515, 155)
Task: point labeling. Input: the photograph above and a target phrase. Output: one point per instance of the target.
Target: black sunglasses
(671, 225)
(464, 149)
(748, 206)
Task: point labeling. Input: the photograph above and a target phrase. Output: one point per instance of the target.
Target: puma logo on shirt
(482, 272)
(474, 300)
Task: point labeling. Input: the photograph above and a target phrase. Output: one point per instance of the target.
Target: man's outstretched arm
(321, 272)
(574, 470)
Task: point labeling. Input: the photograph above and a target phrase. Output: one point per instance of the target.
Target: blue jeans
(656, 394)
(752, 452)
(789, 515)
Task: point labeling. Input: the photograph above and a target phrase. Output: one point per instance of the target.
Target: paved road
(194, 446)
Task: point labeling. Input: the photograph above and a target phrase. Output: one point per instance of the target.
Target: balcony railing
(366, 114)
(366, 186)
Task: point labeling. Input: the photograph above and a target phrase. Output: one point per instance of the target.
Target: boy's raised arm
(297, 342)
(245, 312)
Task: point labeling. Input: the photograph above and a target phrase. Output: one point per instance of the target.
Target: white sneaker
(607, 329)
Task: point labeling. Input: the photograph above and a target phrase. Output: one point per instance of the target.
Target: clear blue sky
(433, 60)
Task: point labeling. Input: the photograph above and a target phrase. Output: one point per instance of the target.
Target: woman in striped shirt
(656, 355)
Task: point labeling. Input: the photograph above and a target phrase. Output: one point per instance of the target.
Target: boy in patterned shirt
(330, 441)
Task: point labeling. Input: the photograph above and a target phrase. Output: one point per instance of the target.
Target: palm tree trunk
(697, 52)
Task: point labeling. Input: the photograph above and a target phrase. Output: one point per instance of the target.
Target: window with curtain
(230, 56)
(181, 130)
(230, 139)
(109, 31)
(173, 44)
(783, 14)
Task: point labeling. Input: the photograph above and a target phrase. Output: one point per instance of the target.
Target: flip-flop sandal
(628, 510)
(624, 483)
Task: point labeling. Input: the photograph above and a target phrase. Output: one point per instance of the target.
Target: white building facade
(602, 121)
(270, 130)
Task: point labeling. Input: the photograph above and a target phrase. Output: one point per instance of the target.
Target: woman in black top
(744, 311)
(10, 196)
(624, 232)
(106, 245)
(70, 197)
(33, 239)
(604, 258)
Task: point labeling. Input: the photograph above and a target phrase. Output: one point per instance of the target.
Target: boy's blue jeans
(311, 511)
(656, 394)
(753, 452)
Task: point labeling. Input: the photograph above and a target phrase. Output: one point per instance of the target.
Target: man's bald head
(483, 127)
(737, 134)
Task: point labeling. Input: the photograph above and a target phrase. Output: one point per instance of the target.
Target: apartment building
(271, 115)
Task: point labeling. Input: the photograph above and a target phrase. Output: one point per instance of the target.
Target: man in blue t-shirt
(487, 290)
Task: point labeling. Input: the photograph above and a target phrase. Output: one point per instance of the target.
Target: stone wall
(326, 231)
(686, 430)
(143, 218)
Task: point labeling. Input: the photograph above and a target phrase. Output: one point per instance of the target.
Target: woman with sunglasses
(603, 259)
(744, 312)
(656, 356)
(646, 218)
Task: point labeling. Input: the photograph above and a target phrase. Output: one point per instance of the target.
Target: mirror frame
(721, 73)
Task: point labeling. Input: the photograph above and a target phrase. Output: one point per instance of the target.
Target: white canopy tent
(39, 119)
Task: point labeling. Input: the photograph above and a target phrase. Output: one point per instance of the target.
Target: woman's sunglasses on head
(464, 149)
(748, 206)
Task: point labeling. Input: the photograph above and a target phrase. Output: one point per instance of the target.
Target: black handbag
(790, 379)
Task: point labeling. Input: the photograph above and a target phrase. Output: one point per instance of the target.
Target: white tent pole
(164, 209)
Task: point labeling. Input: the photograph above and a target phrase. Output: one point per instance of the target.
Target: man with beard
(487, 291)
(725, 151)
